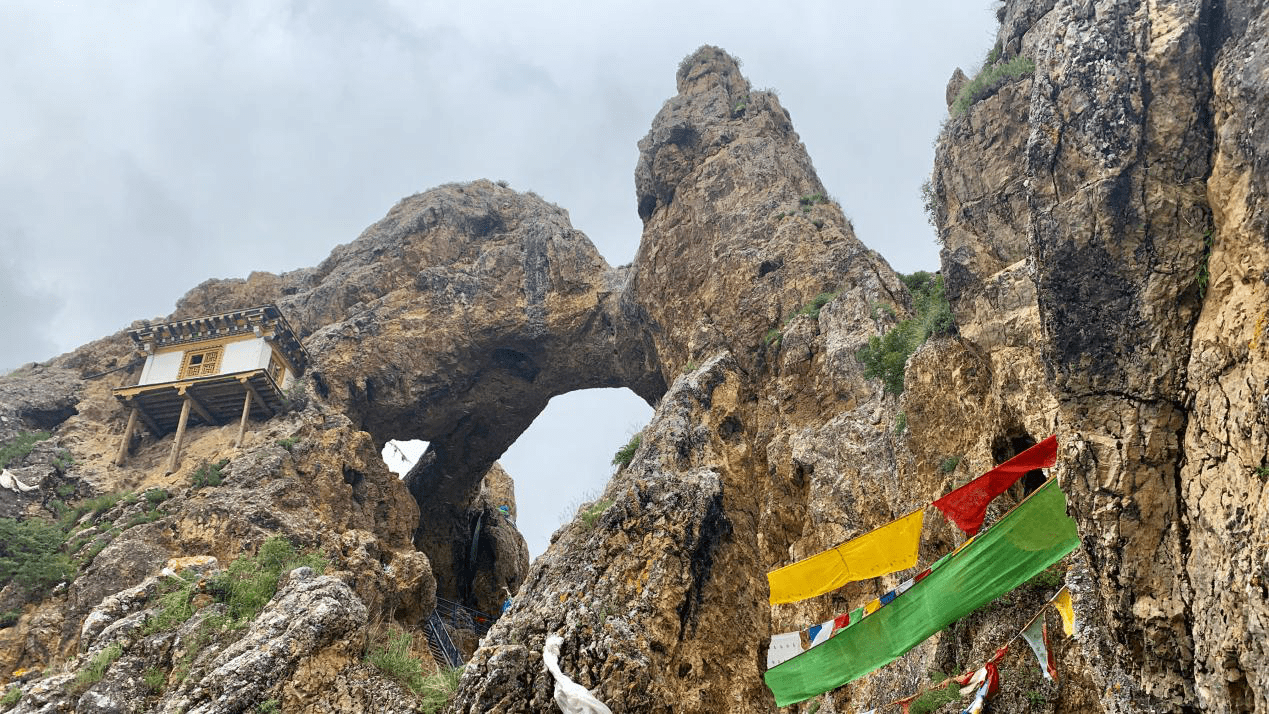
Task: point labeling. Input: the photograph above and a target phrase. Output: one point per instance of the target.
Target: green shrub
(9, 618)
(396, 661)
(901, 423)
(31, 557)
(157, 495)
(935, 698)
(11, 697)
(988, 80)
(66, 490)
(626, 453)
(208, 474)
(775, 335)
(248, 584)
(268, 706)
(288, 443)
(949, 464)
(438, 689)
(812, 199)
(20, 446)
(885, 357)
(96, 668)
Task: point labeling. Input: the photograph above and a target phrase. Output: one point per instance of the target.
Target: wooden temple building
(213, 370)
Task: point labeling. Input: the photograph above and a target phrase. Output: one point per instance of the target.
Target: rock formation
(1103, 219)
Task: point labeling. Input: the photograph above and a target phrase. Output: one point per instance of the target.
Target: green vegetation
(288, 443)
(95, 669)
(208, 474)
(810, 200)
(155, 680)
(268, 706)
(885, 357)
(931, 204)
(438, 689)
(592, 512)
(1048, 579)
(9, 618)
(901, 423)
(1203, 274)
(174, 604)
(949, 464)
(988, 80)
(248, 584)
(397, 662)
(66, 490)
(245, 587)
(11, 697)
(690, 367)
(31, 557)
(624, 455)
(20, 446)
(1262, 471)
(935, 698)
(811, 310)
(63, 460)
(157, 495)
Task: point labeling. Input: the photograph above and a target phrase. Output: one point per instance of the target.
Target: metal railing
(461, 617)
(440, 644)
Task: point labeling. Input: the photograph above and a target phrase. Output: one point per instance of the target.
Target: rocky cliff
(1099, 191)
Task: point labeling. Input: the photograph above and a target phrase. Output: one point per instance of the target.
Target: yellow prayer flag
(1062, 601)
(885, 550)
(873, 606)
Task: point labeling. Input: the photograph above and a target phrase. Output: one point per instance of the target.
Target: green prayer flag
(1036, 534)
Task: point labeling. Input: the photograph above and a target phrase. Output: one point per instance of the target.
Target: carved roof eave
(266, 321)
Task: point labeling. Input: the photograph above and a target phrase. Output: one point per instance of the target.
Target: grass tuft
(625, 454)
(209, 474)
(95, 669)
(988, 80)
(20, 446)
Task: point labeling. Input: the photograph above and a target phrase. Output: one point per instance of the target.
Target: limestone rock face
(738, 230)
(658, 588)
(1103, 226)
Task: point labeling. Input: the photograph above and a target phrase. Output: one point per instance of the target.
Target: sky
(148, 146)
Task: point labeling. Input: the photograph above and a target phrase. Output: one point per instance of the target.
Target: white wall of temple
(165, 367)
(245, 355)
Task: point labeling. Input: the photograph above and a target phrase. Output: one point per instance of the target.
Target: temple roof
(265, 320)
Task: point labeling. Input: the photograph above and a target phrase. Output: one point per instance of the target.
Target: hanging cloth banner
(1030, 538)
(967, 505)
(1062, 601)
(882, 551)
(1037, 635)
(990, 685)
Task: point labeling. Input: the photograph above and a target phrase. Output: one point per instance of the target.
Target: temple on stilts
(211, 369)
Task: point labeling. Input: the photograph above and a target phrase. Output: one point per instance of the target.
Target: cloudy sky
(147, 146)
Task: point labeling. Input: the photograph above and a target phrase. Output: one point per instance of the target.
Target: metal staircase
(438, 641)
(451, 615)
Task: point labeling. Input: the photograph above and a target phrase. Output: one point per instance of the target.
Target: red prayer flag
(967, 505)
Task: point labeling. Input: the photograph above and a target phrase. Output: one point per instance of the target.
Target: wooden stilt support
(150, 424)
(246, 414)
(127, 437)
(180, 436)
(199, 409)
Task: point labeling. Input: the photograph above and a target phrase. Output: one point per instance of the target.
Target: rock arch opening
(565, 457)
